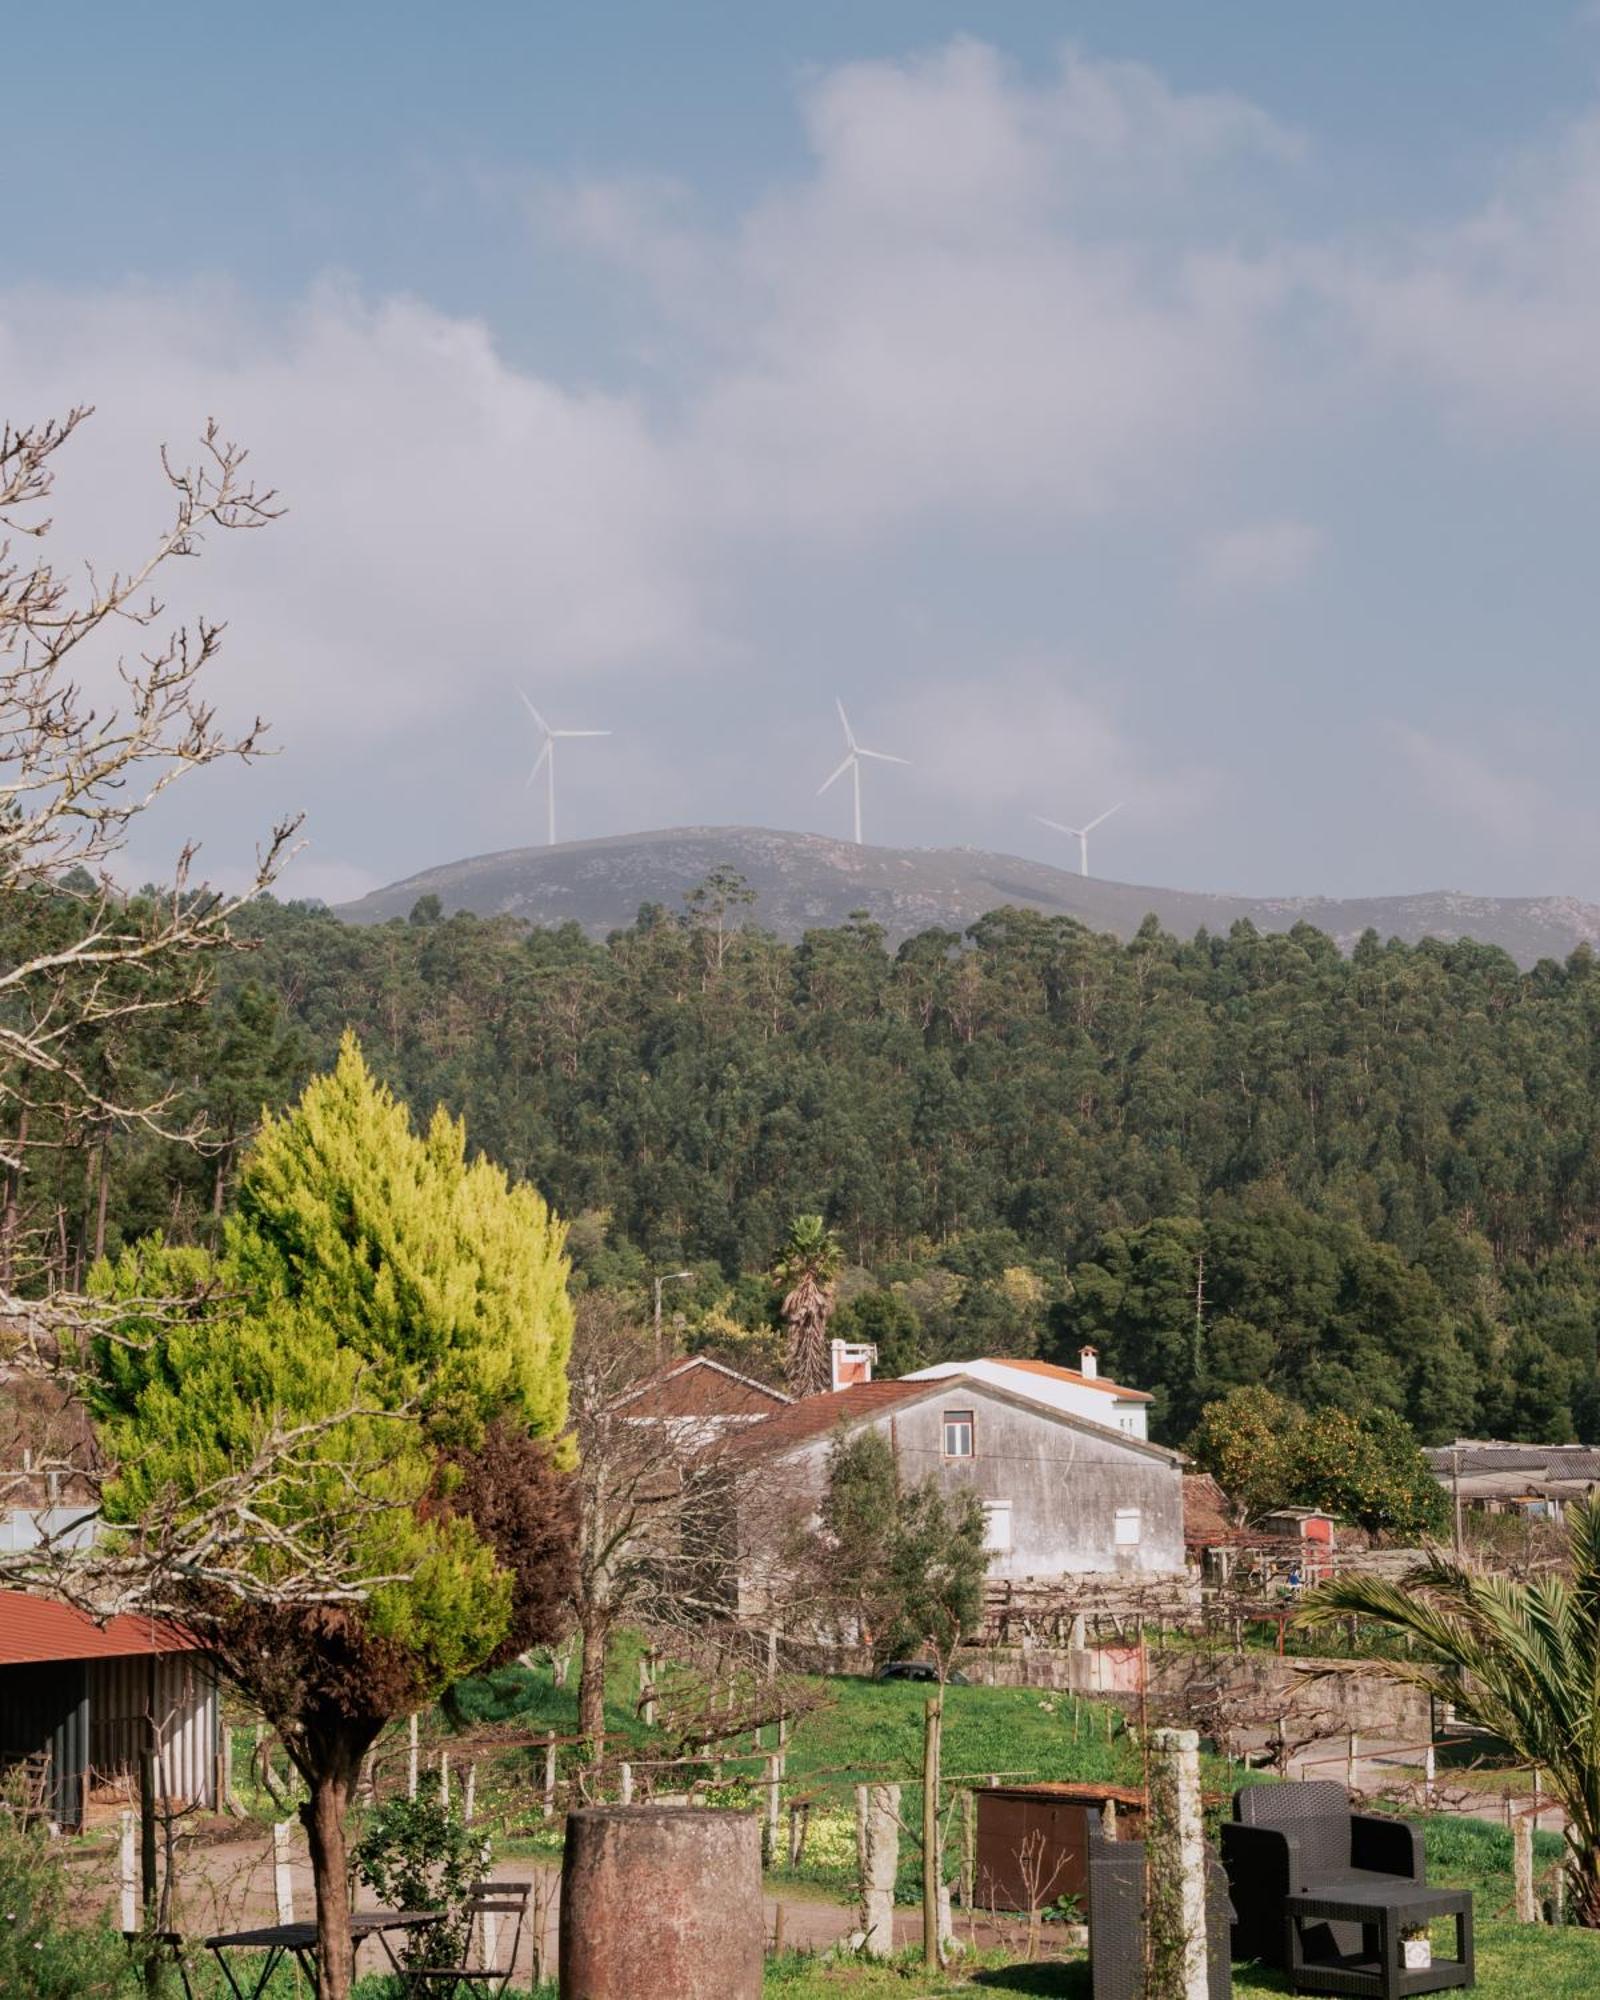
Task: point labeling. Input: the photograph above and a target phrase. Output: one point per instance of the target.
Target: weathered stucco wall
(1065, 1484)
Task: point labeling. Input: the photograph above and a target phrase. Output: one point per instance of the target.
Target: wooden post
(777, 1931)
(647, 1688)
(549, 1803)
(411, 1757)
(1522, 1869)
(932, 1874)
(1351, 1754)
(799, 1826)
(469, 1797)
(769, 1833)
(969, 1847)
(282, 1880)
(127, 1877)
(444, 1779)
(148, 1887)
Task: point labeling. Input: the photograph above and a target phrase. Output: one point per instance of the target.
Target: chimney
(1088, 1362)
(852, 1362)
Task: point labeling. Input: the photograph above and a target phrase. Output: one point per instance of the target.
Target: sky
(1192, 408)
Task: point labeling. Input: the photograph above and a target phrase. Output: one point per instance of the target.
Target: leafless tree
(659, 1541)
(75, 774)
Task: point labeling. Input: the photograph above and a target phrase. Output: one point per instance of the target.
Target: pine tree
(397, 1306)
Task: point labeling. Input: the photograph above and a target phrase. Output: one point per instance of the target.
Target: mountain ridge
(805, 880)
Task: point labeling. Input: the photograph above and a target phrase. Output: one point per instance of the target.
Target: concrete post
(128, 1876)
(1522, 1869)
(1352, 1754)
(625, 1784)
(661, 1899)
(469, 1794)
(548, 1804)
(444, 1779)
(282, 1880)
(411, 1757)
(647, 1689)
(880, 1857)
(1176, 1854)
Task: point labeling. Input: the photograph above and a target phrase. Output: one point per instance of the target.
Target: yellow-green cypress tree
(393, 1304)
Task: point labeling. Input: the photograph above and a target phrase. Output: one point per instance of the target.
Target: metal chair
(489, 1899)
(1293, 1838)
(1117, 1902)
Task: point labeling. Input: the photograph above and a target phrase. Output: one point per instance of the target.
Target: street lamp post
(666, 1278)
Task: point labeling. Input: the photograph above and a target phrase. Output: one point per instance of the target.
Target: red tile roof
(1072, 1375)
(37, 1628)
(815, 1416)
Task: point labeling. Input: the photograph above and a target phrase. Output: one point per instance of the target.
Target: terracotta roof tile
(815, 1416)
(1072, 1375)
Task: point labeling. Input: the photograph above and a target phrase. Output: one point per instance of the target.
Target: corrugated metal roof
(38, 1628)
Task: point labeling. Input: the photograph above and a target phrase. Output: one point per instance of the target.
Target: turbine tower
(546, 761)
(854, 752)
(1080, 833)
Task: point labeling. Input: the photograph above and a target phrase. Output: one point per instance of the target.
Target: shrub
(420, 1854)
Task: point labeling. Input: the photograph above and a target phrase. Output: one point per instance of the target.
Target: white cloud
(1263, 557)
(1502, 310)
(1518, 808)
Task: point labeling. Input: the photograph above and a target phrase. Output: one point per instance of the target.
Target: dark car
(918, 1670)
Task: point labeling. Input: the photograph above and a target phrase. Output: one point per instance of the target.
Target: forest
(1367, 1181)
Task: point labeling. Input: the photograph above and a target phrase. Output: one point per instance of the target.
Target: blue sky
(1191, 405)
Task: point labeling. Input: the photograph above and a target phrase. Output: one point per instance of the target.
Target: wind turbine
(546, 761)
(1080, 833)
(854, 752)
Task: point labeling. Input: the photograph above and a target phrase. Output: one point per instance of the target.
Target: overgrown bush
(420, 1854)
(47, 1951)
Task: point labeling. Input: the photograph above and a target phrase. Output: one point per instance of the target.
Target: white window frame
(1127, 1528)
(954, 1420)
(997, 1514)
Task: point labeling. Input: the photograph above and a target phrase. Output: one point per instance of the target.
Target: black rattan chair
(1117, 1922)
(1294, 1838)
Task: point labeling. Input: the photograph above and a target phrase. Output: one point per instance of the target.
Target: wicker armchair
(1117, 1922)
(1285, 1839)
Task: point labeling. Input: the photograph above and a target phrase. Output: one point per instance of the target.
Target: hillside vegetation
(1371, 1181)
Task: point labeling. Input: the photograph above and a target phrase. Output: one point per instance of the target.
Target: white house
(1079, 1392)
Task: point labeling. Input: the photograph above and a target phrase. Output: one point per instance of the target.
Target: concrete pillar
(282, 1881)
(661, 1899)
(127, 1875)
(1176, 1854)
(411, 1757)
(878, 1832)
(548, 1802)
(625, 1784)
(1522, 1869)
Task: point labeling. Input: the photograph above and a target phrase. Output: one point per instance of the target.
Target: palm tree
(1528, 1660)
(807, 1269)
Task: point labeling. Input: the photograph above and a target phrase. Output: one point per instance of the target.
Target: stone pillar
(661, 1899)
(1175, 1847)
(878, 1830)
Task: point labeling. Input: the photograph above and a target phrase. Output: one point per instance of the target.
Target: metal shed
(1033, 1840)
(80, 1700)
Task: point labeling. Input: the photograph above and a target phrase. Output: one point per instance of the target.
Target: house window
(1126, 1535)
(997, 1527)
(958, 1434)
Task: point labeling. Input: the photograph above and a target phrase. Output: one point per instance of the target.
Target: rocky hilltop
(803, 880)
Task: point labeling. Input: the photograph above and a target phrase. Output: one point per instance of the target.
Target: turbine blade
(1104, 816)
(1055, 825)
(580, 732)
(848, 737)
(528, 705)
(881, 756)
(837, 775)
(539, 762)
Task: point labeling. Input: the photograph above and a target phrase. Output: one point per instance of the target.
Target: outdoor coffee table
(1383, 1911)
(299, 1942)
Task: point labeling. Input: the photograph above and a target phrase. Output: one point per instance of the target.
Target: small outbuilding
(80, 1700)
